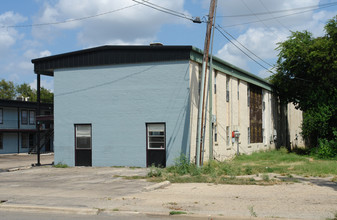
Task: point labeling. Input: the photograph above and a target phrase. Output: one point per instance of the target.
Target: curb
(157, 186)
(49, 209)
(18, 168)
(97, 211)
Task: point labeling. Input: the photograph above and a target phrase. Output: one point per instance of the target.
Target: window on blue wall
(32, 117)
(155, 136)
(83, 136)
(24, 117)
(1, 141)
(1, 115)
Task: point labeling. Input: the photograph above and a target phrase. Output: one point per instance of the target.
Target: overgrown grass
(274, 161)
(61, 165)
(177, 212)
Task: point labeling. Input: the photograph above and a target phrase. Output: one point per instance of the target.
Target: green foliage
(233, 172)
(307, 76)
(26, 91)
(251, 211)
(154, 172)
(326, 149)
(46, 95)
(61, 165)
(7, 90)
(177, 212)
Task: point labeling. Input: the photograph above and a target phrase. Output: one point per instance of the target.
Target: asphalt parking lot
(105, 190)
(11, 161)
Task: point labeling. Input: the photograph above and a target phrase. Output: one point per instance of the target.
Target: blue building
(137, 106)
(18, 126)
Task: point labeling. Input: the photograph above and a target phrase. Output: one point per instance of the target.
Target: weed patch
(273, 161)
(61, 165)
(177, 212)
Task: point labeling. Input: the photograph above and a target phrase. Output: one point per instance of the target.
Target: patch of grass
(115, 210)
(61, 165)
(333, 218)
(155, 172)
(251, 211)
(134, 177)
(272, 161)
(177, 212)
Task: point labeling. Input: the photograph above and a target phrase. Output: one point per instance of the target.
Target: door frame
(81, 152)
(158, 150)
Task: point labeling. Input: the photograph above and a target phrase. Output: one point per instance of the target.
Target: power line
(218, 29)
(282, 16)
(271, 14)
(70, 20)
(313, 7)
(245, 46)
(163, 9)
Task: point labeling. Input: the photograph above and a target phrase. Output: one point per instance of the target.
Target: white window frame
(1, 116)
(238, 89)
(31, 117)
(215, 133)
(227, 88)
(24, 122)
(228, 141)
(78, 134)
(159, 131)
(1, 141)
(248, 96)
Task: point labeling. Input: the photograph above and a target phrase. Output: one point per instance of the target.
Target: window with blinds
(155, 136)
(83, 136)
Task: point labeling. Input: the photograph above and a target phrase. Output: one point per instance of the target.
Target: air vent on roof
(156, 44)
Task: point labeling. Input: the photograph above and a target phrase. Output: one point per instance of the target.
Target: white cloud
(8, 35)
(260, 41)
(262, 37)
(134, 25)
(254, 8)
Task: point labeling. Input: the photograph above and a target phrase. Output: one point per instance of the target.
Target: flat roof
(24, 104)
(110, 55)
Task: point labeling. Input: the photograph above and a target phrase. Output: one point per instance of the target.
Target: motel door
(156, 144)
(83, 148)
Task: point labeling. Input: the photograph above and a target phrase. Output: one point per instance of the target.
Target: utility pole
(210, 87)
(203, 82)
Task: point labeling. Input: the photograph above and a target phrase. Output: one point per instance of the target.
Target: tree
(7, 90)
(26, 91)
(307, 76)
(46, 95)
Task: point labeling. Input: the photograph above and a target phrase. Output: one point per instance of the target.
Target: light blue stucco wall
(118, 100)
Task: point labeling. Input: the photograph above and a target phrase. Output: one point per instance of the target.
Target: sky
(31, 29)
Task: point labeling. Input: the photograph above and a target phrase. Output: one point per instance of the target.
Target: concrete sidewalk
(88, 190)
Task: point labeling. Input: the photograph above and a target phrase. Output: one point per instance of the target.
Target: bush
(154, 172)
(326, 149)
